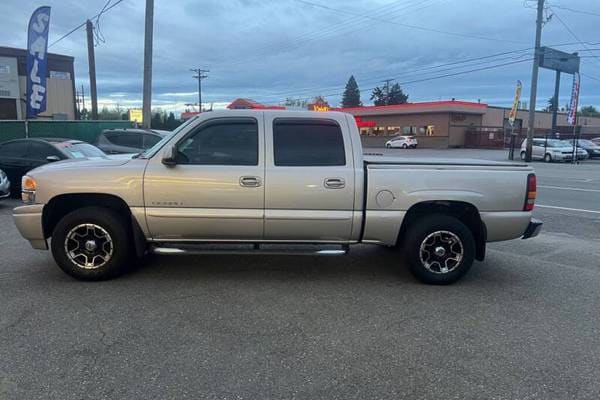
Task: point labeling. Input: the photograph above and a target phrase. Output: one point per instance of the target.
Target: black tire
(389, 146)
(548, 158)
(405, 146)
(418, 233)
(522, 156)
(119, 241)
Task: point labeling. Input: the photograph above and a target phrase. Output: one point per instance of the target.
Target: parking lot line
(568, 188)
(568, 209)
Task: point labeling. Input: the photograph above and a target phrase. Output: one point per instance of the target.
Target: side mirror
(170, 156)
(52, 158)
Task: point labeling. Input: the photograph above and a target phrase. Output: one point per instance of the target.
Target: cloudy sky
(272, 49)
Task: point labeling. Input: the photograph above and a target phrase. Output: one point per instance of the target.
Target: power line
(104, 9)
(387, 9)
(444, 75)
(407, 25)
(576, 11)
(574, 35)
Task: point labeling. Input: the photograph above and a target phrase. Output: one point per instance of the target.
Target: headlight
(28, 188)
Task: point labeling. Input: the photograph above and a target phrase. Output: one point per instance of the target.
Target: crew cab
(284, 182)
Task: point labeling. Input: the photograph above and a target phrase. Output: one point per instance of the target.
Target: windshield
(585, 142)
(80, 150)
(154, 149)
(553, 143)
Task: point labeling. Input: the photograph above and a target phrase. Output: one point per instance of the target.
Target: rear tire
(548, 158)
(522, 156)
(405, 146)
(440, 249)
(92, 244)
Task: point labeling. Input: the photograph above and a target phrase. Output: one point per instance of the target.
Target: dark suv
(116, 141)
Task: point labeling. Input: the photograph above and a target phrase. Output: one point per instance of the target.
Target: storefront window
(427, 130)
(409, 130)
(393, 130)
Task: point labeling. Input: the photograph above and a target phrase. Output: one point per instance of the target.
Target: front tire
(405, 146)
(440, 249)
(389, 146)
(92, 244)
(548, 158)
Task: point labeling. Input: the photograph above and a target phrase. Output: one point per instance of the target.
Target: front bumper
(28, 220)
(533, 229)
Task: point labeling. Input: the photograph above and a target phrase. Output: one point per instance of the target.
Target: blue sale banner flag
(37, 61)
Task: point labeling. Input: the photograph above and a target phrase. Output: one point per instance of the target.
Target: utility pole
(534, 79)
(147, 95)
(555, 102)
(82, 98)
(387, 90)
(200, 74)
(92, 67)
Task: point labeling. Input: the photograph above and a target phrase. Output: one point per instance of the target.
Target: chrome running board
(251, 248)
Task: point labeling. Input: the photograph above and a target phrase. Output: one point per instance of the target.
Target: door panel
(311, 202)
(202, 197)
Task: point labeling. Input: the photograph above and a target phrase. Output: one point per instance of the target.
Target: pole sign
(37, 61)
(515, 107)
(572, 118)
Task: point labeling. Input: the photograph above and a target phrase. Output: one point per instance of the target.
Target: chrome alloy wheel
(89, 246)
(441, 252)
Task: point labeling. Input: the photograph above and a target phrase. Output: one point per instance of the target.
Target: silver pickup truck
(284, 182)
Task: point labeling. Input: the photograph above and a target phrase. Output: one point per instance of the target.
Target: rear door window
(310, 142)
(128, 140)
(13, 150)
(39, 151)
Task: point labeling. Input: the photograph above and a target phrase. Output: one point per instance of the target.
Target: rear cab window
(307, 142)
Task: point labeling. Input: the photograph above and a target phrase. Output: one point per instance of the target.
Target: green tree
(171, 122)
(388, 95)
(589, 111)
(351, 96)
(157, 121)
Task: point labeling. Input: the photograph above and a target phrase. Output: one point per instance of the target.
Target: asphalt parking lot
(523, 324)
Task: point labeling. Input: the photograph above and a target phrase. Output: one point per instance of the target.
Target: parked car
(19, 156)
(596, 140)
(286, 182)
(119, 141)
(403, 142)
(4, 185)
(590, 147)
(552, 150)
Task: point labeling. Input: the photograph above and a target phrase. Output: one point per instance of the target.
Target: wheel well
(61, 205)
(465, 212)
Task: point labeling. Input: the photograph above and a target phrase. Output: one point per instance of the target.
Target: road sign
(559, 60)
(136, 115)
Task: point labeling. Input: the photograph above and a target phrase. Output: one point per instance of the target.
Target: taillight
(531, 192)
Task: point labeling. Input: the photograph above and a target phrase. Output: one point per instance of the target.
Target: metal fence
(81, 130)
(499, 138)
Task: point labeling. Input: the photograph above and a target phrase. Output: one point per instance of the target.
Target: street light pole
(147, 94)
(534, 79)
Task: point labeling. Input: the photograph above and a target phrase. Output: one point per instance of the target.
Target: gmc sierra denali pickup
(291, 182)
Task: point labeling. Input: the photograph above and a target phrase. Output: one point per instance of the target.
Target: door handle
(334, 183)
(250, 181)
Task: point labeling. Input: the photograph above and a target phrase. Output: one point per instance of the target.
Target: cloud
(272, 50)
